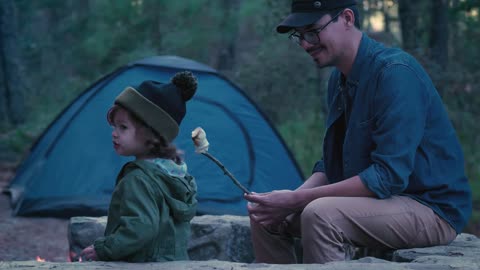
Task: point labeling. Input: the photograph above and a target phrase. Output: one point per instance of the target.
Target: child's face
(125, 141)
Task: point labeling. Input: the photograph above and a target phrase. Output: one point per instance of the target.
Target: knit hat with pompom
(160, 106)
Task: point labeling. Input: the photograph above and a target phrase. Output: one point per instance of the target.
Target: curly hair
(156, 143)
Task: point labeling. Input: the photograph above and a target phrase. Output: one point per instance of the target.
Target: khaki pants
(327, 224)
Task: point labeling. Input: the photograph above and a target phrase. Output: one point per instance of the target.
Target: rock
(82, 231)
(225, 238)
(220, 265)
(370, 260)
(451, 262)
(464, 247)
(223, 242)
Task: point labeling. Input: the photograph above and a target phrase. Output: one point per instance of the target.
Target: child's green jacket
(149, 215)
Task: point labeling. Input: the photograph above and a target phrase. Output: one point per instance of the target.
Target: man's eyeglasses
(311, 36)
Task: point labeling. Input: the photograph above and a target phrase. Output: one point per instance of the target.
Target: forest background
(52, 50)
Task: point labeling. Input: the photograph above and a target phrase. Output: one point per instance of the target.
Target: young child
(154, 197)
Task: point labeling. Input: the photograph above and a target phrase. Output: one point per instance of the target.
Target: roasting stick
(200, 141)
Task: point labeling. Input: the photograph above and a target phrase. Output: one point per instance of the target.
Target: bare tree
(225, 59)
(386, 17)
(360, 4)
(439, 32)
(407, 12)
(12, 84)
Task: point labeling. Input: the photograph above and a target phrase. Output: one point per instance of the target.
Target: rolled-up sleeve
(318, 167)
(401, 105)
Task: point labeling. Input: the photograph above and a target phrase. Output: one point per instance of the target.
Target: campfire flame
(39, 259)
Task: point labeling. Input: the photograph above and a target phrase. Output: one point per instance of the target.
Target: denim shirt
(398, 138)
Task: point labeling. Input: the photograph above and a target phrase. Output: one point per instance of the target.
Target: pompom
(186, 82)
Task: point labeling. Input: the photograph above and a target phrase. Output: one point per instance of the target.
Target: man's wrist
(302, 197)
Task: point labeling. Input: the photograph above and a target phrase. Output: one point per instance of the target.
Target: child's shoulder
(142, 169)
(133, 170)
(129, 168)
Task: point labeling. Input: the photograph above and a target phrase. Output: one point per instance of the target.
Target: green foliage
(18, 140)
(467, 5)
(69, 44)
(460, 92)
(304, 137)
(267, 77)
(466, 37)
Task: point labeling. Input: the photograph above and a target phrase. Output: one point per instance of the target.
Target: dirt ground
(25, 238)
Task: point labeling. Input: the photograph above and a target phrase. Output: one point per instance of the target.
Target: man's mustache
(312, 49)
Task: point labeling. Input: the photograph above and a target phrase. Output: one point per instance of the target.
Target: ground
(25, 238)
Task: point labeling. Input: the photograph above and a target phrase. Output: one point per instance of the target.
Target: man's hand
(89, 254)
(273, 207)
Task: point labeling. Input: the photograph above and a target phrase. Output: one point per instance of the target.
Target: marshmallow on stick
(199, 137)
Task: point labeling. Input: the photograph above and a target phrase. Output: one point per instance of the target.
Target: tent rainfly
(71, 169)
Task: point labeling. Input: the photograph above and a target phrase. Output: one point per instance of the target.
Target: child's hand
(89, 254)
(199, 138)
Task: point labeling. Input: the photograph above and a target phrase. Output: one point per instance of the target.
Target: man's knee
(322, 240)
(323, 210)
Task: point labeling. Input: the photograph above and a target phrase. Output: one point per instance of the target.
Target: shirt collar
(358, 65)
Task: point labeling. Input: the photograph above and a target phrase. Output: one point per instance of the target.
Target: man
(392, 173)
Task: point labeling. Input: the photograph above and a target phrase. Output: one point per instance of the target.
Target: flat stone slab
(223, 242)
(223, 265)
(224, 238)
(465, 247)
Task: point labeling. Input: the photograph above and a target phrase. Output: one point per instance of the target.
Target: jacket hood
(179, 192)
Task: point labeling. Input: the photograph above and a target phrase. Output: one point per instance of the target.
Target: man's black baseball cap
(306, 12)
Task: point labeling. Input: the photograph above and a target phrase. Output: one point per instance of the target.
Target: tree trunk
(226, 53)
(439, 32)
(361, 16)
(386, 18)
(12, 84)
(408, 23)
(154, 10)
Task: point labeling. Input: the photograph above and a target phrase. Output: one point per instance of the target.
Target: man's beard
(321, 49)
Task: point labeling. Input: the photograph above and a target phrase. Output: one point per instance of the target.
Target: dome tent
(72, 167)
